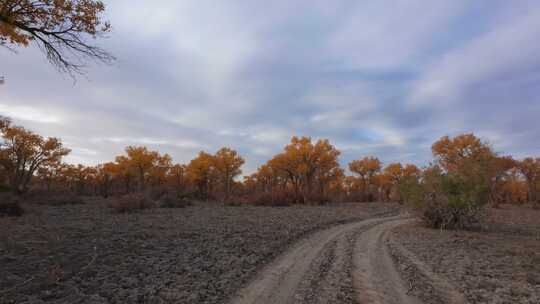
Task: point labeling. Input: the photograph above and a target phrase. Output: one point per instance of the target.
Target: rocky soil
(498, 265)
(200, 254)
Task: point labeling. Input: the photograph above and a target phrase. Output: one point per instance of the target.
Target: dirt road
(349, 263)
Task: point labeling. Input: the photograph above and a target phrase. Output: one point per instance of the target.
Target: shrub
(453, 192)
(439, 213)
(276, 199)
(172, 201)
(10, 206)
(318, 199)
(131, 203)
(157, 193)
(448, 201)
(236, 201)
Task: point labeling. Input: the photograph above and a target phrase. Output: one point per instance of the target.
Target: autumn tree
(23, 152)
(83, 177)
(250, 184)
(227, 163)
(395, 172)
(397, 178)
(351, 186)
(530, 168)
(125, 172)
(514, 188)
(141, 162)
(383, 184)
(410, 179)
(457, 187)
(366, 169)
(177, 177)
(266, 179)
(305, 164)
(49, 172)
(456, 154)
(202, 173)
(61, 29)
(329, 179)
(500, 173)
(160, 170)
(105, 174)
(67, 176)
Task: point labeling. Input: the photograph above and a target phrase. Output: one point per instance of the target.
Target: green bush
(449, 201)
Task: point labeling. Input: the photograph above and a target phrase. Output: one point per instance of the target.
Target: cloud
(30, 114)
(380, 35)
(151, 141)
(500, 54)
(376, 78)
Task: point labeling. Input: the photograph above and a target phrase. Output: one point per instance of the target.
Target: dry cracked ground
(347, 253)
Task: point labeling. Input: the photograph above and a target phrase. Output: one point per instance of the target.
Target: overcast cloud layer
(375, 77)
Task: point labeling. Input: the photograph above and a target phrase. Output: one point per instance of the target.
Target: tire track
(329, 279)
(278, 282)
(375, 277)
(349, 263)
(441, 287)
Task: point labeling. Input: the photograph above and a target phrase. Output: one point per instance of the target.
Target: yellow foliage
(59, 28)
(227, 163)
(23, 152)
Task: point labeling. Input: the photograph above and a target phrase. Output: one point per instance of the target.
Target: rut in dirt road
(374, 274)
(279, 281)
(349, 263)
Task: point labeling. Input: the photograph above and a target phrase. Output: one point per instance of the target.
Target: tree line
(307, 171)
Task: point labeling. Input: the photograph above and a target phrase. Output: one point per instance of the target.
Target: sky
(381, 78)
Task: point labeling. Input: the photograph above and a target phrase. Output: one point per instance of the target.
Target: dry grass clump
(131, 203)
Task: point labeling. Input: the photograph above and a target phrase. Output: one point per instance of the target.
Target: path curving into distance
(348, 263)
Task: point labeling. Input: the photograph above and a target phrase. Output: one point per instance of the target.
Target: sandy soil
(350, 253)
(348, 263)
(200, 254)
(305, 272)
(376, 277)
(498, 265)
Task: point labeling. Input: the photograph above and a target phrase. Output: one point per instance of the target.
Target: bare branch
(61, 29)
